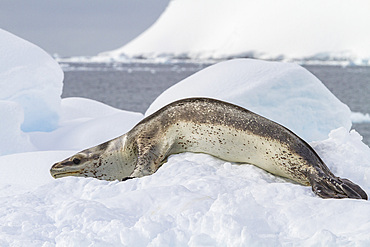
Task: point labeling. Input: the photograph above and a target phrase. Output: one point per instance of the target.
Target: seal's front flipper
(150, 157)
(145, 165)
(335, 187)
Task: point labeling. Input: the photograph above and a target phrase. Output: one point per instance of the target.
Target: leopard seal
(221, 129)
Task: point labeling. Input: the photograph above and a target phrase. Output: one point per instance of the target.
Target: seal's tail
(335, 187)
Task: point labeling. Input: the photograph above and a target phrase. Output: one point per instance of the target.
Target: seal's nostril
(56, 166)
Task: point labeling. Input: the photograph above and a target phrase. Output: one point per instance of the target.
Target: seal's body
(221, 129)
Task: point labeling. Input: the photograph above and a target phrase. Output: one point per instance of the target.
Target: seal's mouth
(56, 174)
(65, 169)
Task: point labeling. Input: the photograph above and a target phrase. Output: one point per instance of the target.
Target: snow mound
(345, 154)
(266, 29)
(31, 85)
(283, 92)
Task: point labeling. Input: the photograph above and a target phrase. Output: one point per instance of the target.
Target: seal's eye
(76, 161)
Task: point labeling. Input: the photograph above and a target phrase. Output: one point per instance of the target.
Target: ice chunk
(32, 79)
(283, 92)
(358, 117)
(85, 123)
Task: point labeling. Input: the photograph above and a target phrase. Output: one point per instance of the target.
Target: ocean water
(134, 86)
(351, 85)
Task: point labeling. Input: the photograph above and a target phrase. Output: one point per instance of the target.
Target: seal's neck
(115, 160)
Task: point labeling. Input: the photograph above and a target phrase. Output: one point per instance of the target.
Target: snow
(283, 92)
(192, 200)
(267, 29)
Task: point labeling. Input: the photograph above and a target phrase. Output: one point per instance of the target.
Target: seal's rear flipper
(335, 187)
(355, 187)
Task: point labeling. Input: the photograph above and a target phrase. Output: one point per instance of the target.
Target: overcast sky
(79, 27)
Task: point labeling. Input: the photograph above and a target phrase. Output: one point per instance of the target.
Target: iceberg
(358, 117)
(267, 29)
(193, 199)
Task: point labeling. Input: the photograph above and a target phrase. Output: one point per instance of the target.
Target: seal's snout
(335, 187)
(64, 168)
(54, 169)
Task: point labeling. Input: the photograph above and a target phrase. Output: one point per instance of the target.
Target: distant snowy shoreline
(306, 32)
(171, 59)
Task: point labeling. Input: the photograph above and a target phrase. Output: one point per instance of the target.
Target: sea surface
(135, 86)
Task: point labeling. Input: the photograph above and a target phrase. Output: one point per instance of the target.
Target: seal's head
(82, 164)
(105, 161)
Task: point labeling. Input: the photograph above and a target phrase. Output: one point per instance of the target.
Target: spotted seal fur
(203, 125)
